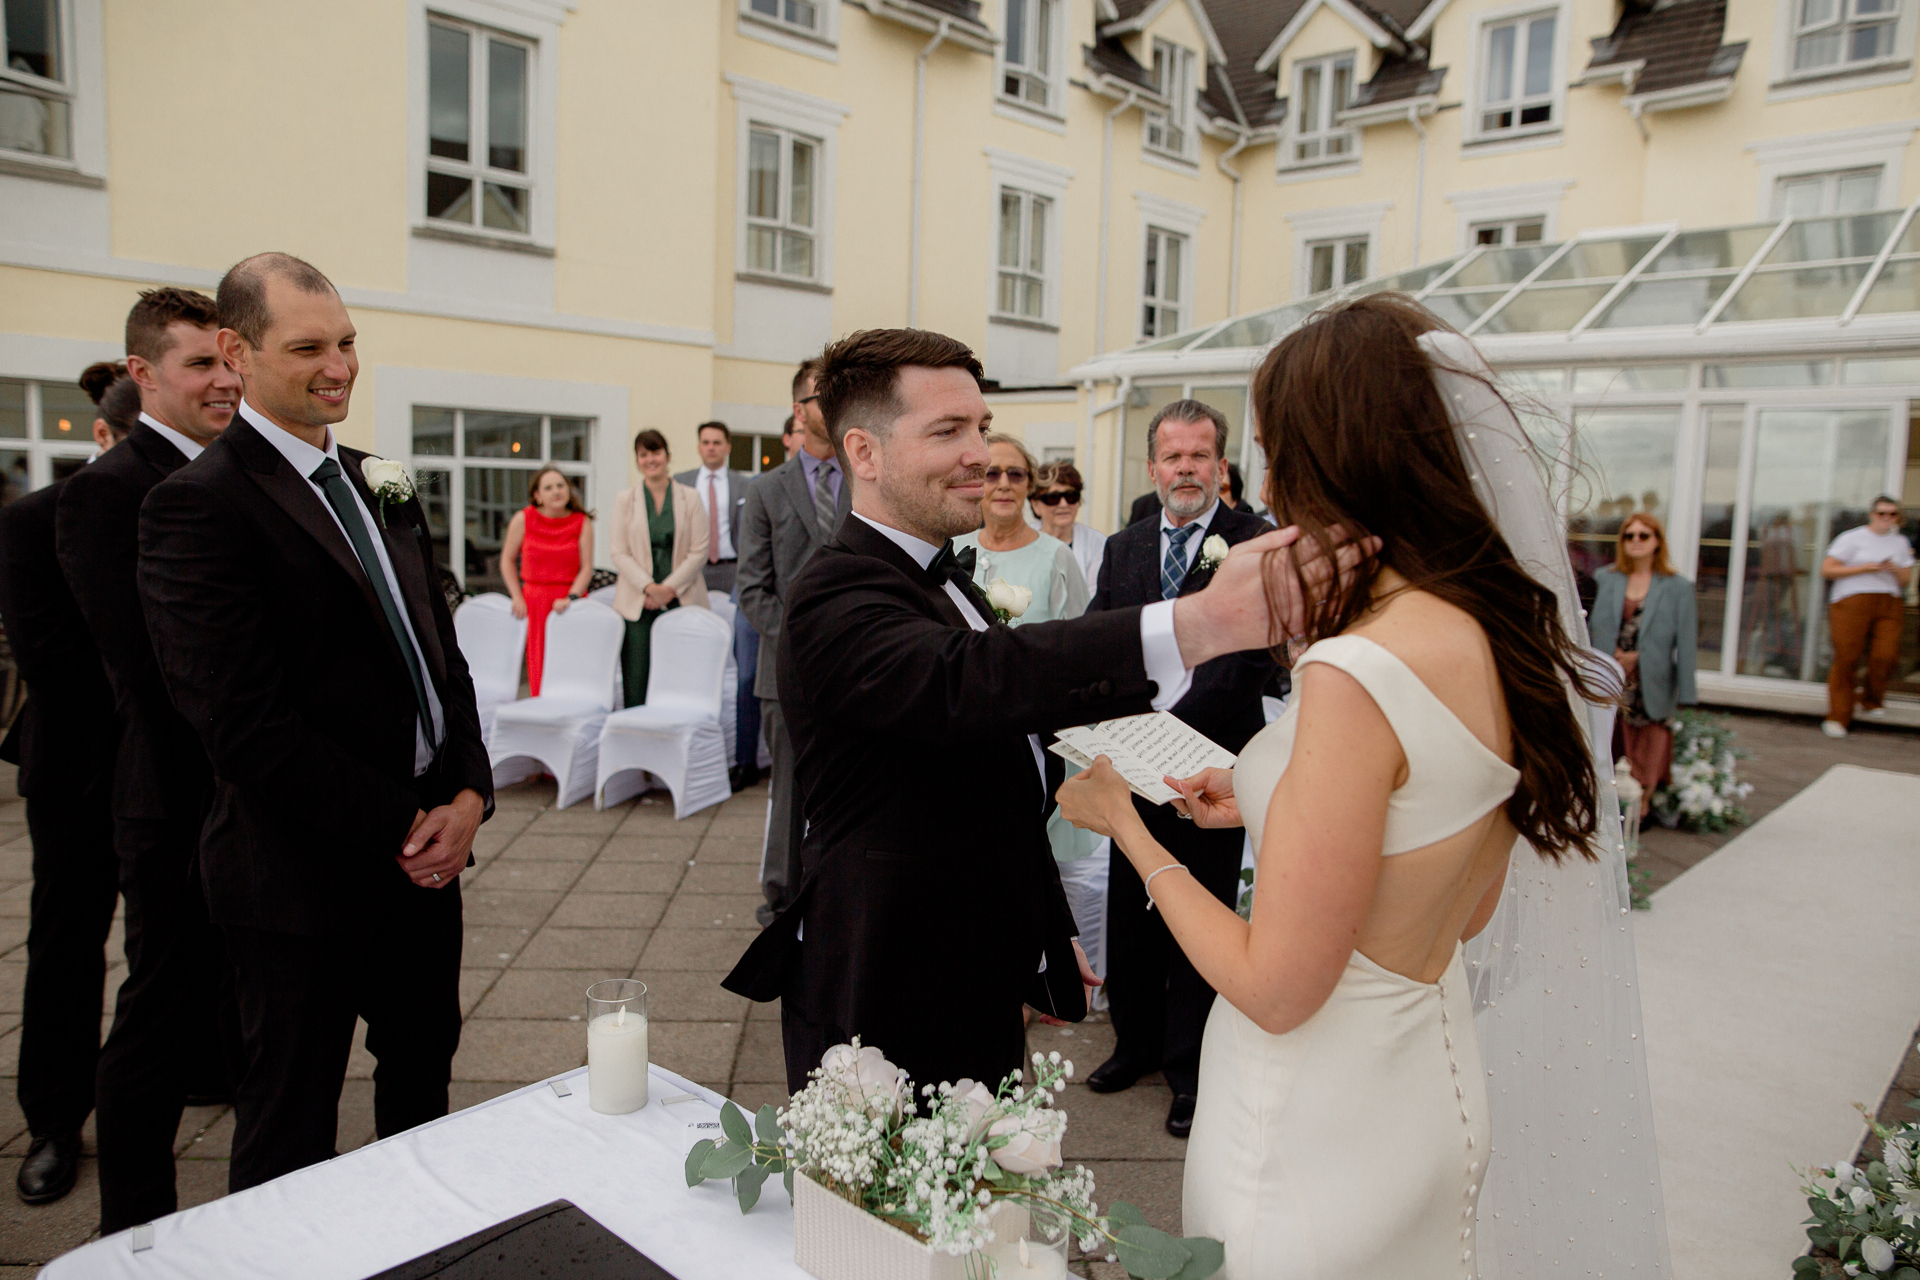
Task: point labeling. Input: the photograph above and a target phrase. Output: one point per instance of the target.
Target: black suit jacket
(63, 739)
(1223, 701)
(162, 770)
(274, 648)
(931, 894)
(1145, 507)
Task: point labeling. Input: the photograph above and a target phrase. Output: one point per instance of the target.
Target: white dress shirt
(711, 485)
(304, 459)
(180, 442)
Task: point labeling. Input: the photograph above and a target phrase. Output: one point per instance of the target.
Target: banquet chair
(493, 642)
(675, 735)
(560, 729)
(724, 609)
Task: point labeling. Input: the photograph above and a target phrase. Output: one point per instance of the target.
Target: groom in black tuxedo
(931, 907)
(297, 622)
(1160, 1003)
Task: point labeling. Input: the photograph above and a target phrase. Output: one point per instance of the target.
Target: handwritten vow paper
(1144, 749)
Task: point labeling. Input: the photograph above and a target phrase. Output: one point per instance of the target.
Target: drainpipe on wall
(1106, 209)
(1419, 177)
(919, 167)
(1233, 253)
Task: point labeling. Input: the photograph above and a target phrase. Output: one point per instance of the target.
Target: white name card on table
(1144, 749)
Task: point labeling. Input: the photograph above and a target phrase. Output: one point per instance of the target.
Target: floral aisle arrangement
(1866, 1221)
(1705, 790)
(938, 1166)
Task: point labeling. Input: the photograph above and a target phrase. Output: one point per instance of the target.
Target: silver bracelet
(1171, 866)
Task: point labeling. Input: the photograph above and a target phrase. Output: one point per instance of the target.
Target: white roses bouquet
(389, 482)
(1705, 790)
(1866, 1221)
(857, 1130)
(1008, 601)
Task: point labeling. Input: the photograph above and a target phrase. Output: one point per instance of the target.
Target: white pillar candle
(1024, 1260)
(617, 1062)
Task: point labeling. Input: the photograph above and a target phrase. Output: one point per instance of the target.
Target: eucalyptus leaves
(857, 1130)
(1867, 1221)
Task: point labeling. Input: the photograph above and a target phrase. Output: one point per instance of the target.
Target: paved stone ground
(563, 898)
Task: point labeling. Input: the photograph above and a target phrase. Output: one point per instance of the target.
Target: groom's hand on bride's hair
(1232, 613)
(1207, 798)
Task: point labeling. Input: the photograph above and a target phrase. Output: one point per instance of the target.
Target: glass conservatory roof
(1829, 269)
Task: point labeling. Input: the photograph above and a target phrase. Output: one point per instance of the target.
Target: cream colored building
(559, 221)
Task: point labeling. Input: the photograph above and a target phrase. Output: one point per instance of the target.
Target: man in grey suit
(791, 512)
(723, 496)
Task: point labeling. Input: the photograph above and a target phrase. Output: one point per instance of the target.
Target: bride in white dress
(1432, 772)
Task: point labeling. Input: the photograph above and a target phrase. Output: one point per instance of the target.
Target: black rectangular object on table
(554, 1240)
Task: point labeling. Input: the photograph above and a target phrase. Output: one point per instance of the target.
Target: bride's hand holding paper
(1207, 798)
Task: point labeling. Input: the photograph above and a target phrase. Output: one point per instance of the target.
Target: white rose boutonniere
(1212, 552)
(1008, 601)
(389, 482)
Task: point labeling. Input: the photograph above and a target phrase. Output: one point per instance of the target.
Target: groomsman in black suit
(932, 906)
(166, 1021)
(1159, 1002)
(63, 741)
(296, 618)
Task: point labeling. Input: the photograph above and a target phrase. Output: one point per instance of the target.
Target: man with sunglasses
(1056, 505)
(1869, 566)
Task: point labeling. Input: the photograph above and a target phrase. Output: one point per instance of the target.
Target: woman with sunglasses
(1011, 549)
(1644, 614)
(1056, 505)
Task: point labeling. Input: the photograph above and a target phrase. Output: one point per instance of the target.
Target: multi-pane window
(1029, 58)
(479, 463)
(1163, 294)
(36, 96)
(1808, 195)
(755, 454)
(783, 177)
(46, 433)
(1171, 130)
(1510, 231)
(803, 14)
(1516, 89)
(1333, 264)
(479, 100)
(1022, 282)
(1834, 34)
(1323, 88)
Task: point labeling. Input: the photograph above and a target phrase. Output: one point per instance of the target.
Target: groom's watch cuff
(1160, 654)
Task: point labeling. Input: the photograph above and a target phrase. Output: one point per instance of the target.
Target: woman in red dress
(547, 560)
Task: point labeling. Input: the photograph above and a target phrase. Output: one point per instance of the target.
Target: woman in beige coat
(659, 547)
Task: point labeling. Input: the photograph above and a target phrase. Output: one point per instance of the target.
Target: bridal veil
(1573, 1186)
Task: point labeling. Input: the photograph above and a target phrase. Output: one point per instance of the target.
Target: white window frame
(1165, 217)
(1881, 146)
(782, 224)
(1329, 130)
(478, 170)
(533, 22)
(1337, 224)
(1338, 249)
(1844, 19)
(40, 450)
(1171, 315)
(1508, 230)
(1021, 270)
(778, 107)
(1788, 84)
(1829, 181)
(1555, 101)
(1053, 26)
(1521, 200)
(82, 87)
(1180, 113)
(1039, 179)
(822, 40)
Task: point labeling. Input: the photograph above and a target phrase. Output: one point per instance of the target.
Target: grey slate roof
(1680, 44)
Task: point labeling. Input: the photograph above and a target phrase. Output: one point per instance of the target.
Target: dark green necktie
(347, 511)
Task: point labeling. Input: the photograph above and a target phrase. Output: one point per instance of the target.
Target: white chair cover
(603, 595)
(493, 642)
(560, 729)
(675, 735)
(724, 610)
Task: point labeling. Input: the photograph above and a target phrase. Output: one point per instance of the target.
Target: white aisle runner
(405, 1196)
(1780, 984)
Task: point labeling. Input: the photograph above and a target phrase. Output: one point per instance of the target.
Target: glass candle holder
(617, 1046)
(1041, 1254)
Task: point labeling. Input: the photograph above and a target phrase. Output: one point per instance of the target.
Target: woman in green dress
(659, 544)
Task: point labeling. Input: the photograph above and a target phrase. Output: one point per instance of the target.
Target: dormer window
(1171, 131)
(802, 15)
(1028, 58)
(1517, 86)
(1323, 88)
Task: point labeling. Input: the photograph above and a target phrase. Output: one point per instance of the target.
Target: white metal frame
(1789, 82)
(478, 169)
(41, 451)
(1038, 179)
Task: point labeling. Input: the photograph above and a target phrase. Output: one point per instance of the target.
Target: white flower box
(834, 1239)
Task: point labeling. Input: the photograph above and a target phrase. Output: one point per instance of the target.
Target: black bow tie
(957, 565)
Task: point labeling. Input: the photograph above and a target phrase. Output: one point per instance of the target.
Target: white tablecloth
(412, 1193)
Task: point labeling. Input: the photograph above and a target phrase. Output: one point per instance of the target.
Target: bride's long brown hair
(1356, 435)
